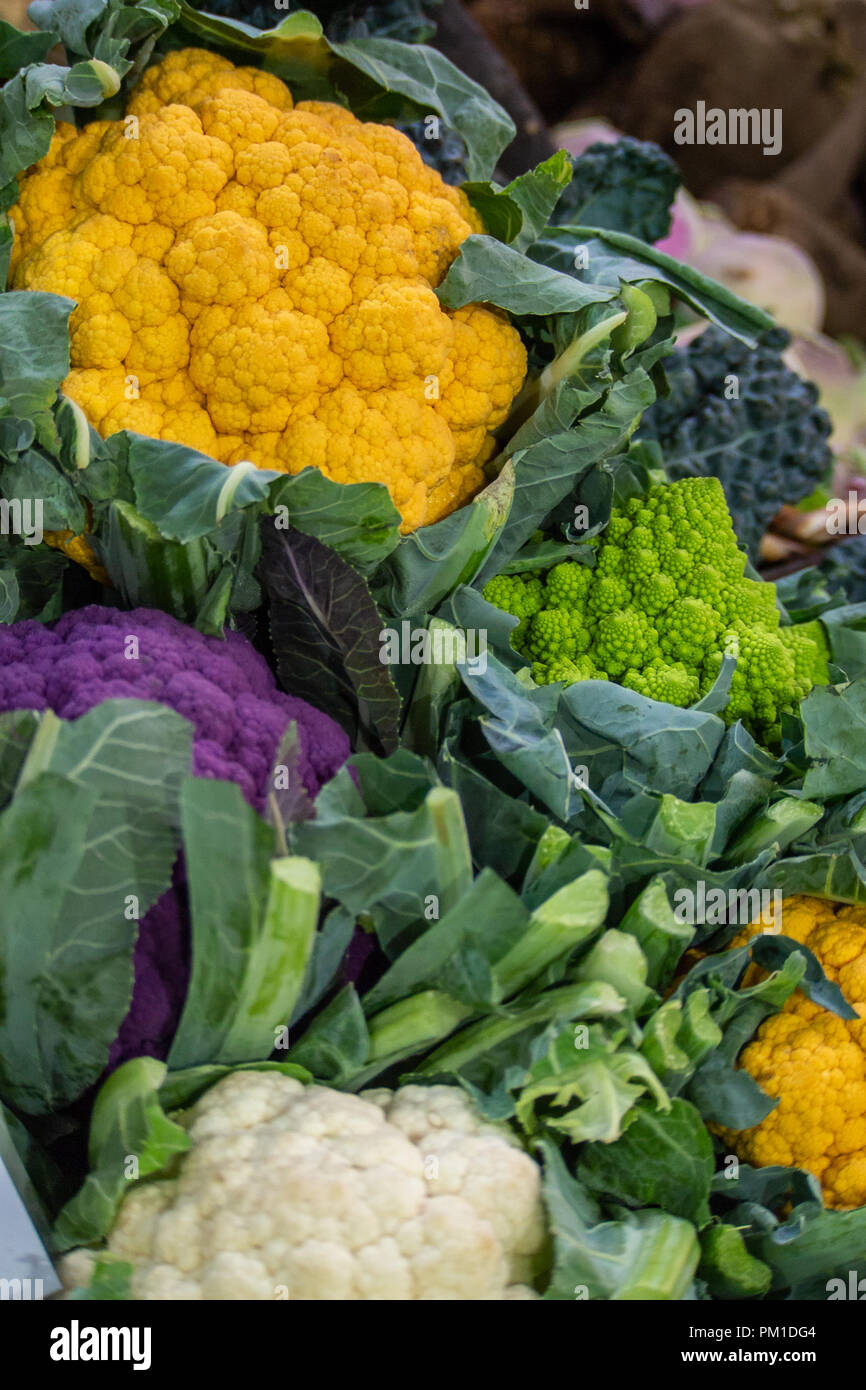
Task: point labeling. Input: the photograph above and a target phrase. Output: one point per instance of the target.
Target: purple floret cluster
(227, 692)
(223, 687)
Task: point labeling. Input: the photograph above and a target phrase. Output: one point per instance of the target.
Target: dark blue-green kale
(844, 567)
(627, 186)
(410, 21)
(741, 415)
(446, 152)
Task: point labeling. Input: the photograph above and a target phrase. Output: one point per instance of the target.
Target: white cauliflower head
(303, 1192)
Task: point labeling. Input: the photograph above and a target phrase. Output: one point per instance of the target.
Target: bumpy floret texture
(255, 279)
(227, 692)
(666, 601)
(812, 1060)
(307, 1193)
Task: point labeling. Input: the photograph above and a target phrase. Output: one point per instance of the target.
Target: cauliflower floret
(303, 1192)
(812, 1060)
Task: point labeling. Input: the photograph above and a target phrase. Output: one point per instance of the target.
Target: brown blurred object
(462, 39)
(637, 62)
(15, 12)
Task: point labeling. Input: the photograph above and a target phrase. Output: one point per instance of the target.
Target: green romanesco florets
(666, 600)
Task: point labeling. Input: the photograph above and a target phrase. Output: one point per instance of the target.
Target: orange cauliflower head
(814, 1061)
(255, 278)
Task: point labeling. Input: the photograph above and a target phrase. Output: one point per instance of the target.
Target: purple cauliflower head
(227, 692)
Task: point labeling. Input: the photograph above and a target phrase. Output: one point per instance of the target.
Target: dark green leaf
(431, 562)
(83, 887)
(17, 48)
(252, 929)
(327, 635)
(647, 1255)
(488, 272)
(664, 1159)
(433, 84)
(34, 348)
(131, 1138)
(185, 493)
(357, 520)
(772, 951)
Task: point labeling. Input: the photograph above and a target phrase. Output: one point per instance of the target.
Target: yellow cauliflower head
(278, 261)
(814, 1061)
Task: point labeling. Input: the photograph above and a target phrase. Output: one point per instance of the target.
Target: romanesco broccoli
(666, 600)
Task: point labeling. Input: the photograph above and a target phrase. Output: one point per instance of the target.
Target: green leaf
(493, 1056)
(783, 822)
(728, 1269)
(25, 137)
(33, 574)
(253, 922)
(10, 597)
(557, 928)
(42, 836)
(772, 951)
(357, 520)
(17, 730)
(433, 561)
(610, 257)
(815, 1245)
(729, 1098)
(648, 1255)
(433, 84)
(519, 212)
(488, 919)
(337, 1043)
(486, 271)
(18, 48)
(663, 747)
(149, 571)
(34, 478)
(662, 937)
(186, 494)
(70, 19)
(387, 866)
(329, 948)
(327, 636)
(839, 876)
(546, 471)
(617, 959)
(131, 1138)
(585, 1086)
(81, 888)
(517, 724)
(34, 347)
(664, 1159)
(834, 721)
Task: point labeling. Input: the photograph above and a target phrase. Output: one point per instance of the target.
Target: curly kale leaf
(845, 565)
(445, 152)
(743, 416)
(626, 186)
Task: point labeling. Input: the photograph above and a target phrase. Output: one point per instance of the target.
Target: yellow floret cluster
(813, 1060)
(255, 279)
